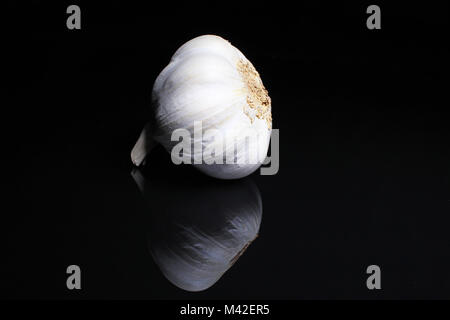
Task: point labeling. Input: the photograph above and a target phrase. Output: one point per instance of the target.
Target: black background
(364, 148)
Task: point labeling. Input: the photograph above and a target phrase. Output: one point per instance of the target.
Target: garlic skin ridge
(211, 81)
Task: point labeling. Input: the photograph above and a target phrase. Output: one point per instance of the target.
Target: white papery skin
(202, 83)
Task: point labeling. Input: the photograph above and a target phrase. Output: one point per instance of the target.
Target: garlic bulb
(197, 232)
(214, 93)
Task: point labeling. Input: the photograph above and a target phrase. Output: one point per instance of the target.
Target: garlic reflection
(198, 232)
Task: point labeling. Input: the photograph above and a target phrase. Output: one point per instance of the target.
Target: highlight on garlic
(211, 110)
(197, 232)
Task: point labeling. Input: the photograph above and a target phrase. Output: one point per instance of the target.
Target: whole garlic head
(209, 81)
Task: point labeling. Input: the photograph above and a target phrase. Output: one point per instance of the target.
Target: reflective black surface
(364, 155)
